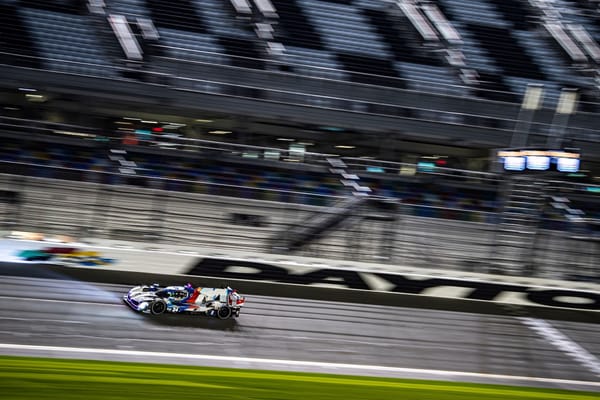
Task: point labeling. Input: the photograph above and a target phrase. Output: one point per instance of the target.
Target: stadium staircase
(516, 233)
(320, 223)
(316, 226)
(369, 221)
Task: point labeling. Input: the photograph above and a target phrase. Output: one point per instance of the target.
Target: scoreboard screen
(539, 160)
(567, 164)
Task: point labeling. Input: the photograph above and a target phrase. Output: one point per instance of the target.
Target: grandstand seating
(62, 6)
(67, 42)
(296, 26)
(221, 175)
(367, 41)
(16, 39)
(364, 41)
(179, 14)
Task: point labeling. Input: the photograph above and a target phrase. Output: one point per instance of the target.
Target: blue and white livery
(223, 303)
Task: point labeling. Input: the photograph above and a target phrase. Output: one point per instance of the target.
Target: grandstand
(254, 99)
(368, 67)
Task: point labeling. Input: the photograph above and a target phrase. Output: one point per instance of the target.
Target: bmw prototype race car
(222, 303)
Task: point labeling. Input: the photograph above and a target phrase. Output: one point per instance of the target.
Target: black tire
(158, 307)
(224, 312)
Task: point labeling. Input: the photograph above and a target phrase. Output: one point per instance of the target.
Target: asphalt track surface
(38, 311)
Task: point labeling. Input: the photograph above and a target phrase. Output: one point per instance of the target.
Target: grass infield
(42, 378)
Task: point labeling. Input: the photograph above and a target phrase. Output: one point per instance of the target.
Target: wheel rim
(224, 312)
(158, 307)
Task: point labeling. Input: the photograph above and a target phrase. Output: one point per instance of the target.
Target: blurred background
(450, 149)
(459, 134)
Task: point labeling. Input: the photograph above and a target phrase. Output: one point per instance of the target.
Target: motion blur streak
(263, 361)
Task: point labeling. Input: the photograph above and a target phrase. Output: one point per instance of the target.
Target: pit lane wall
(303, 277)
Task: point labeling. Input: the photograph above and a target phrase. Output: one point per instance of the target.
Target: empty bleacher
(294, 27)
(16, 38)
(504, 43)
(349, 31)
(129, 8)
(60, 6)
(516, 12)
(244, 52)
(192, 46)
(180, 14)
(370, 70)
(403, 49)
(508, 54)
(479, 11)
(476, 56)
(312, 62)
(219, 21)
(67, 42)
(494, 87)
(423, 79)
(366, 41)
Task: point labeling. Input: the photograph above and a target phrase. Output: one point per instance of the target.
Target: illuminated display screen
(539, 160)
(538, 163)
(514, 163)
(567, 164)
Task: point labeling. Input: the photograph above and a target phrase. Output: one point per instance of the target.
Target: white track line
(316, 364)
(563, 343)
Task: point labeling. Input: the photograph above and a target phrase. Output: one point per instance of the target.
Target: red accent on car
(194, 296)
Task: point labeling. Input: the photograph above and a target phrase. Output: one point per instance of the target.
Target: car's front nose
(138, 299)
(131, 301)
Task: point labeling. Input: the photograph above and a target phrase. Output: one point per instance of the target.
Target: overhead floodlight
(567, 103)
(534, 97)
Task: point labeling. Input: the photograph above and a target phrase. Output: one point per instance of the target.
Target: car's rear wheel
(224, 312)
(158, 307)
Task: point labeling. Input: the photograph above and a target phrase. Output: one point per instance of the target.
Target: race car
(222, 303)
(71, 255)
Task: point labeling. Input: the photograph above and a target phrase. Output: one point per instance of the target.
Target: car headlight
(143, 305)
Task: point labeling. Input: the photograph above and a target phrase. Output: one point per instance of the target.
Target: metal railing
(202, 214)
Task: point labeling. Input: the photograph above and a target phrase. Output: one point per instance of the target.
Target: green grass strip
(41, 378)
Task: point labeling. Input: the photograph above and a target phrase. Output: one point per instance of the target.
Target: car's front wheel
(224, 312)
(158, 307)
